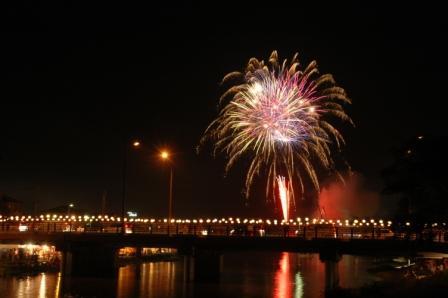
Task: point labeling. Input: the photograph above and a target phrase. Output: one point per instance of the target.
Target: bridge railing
(310, 231)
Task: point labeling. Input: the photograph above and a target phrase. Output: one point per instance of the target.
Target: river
(277, 275)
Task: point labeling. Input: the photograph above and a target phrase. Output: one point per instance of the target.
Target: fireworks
(277, 115)
(284, 196)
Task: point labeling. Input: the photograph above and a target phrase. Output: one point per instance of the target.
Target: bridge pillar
(138, 252)
(203, 266)
(86, 260)
(331, 259)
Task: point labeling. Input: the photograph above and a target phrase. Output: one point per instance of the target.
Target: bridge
(89, 245)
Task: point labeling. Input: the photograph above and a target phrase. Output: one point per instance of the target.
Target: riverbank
(20, 268)
(24, 269)
(431, 286)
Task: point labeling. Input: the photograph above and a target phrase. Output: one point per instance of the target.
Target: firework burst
(277, 114)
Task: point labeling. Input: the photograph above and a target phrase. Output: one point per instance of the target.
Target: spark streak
(284, 196)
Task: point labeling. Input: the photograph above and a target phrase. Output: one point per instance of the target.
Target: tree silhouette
(419, 177)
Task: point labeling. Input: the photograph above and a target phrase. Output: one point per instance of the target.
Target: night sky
(76, 76)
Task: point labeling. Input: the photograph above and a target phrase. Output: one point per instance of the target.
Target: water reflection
(243, 275)
(58, 286)
(43, 286)
(283, 284)
(298, 293)
(149, 280)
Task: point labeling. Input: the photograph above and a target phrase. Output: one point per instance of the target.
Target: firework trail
(278, 115)
(284, 196)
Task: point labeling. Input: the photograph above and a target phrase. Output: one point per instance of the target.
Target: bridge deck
(226, 237)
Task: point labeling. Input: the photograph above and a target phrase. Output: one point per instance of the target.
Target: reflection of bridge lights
(298, 293)
(43, 286)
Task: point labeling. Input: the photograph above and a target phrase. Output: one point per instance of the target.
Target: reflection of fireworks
(284, 195)
(277, 114)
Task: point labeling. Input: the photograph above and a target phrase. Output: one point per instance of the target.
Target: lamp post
(165, 156)
(69, 207)
(135, 144)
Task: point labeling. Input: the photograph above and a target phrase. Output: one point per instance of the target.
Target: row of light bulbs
(230, 220)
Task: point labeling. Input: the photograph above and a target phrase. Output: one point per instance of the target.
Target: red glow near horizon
(348, 198)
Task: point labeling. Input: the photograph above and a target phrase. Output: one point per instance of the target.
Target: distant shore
(160, 257)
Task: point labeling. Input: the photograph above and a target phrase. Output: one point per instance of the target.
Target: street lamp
(69, 207)
(165, 156)
(135, 144)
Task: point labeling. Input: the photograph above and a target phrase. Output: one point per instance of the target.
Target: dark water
(278, 275)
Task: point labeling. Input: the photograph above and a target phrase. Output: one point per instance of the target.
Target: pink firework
(277, 115)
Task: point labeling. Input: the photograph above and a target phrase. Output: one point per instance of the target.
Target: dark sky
(76, 75)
